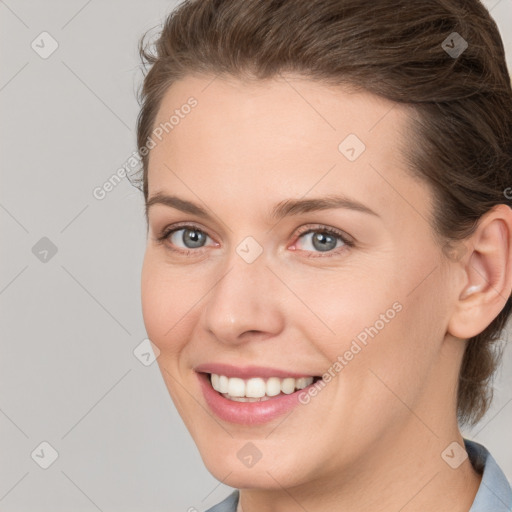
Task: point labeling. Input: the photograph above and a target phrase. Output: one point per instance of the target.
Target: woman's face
(250, 286)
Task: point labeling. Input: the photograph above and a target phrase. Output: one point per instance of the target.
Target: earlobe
(488, 275)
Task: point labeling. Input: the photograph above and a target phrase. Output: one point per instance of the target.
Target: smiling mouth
(257, 389)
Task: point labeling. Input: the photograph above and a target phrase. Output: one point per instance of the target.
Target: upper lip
(247, 372)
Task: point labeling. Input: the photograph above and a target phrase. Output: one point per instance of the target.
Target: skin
(383, 422)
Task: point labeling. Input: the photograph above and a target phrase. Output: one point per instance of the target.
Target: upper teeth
(257, 387)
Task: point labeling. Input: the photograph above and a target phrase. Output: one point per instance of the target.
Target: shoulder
(494, 493)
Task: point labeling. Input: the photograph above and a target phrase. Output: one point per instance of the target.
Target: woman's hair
(409, 52)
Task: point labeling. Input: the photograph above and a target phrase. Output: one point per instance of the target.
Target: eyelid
(308, 228)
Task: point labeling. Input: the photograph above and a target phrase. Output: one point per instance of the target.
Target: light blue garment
(227, 505)
(494, 493)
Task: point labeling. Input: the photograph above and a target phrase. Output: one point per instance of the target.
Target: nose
(244, 303)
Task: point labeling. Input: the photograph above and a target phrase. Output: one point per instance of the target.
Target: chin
(242, 465)
(259, 476)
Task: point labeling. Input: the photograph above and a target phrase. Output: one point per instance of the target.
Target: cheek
(167, 300)
(375, 333)
(167, 308)
(343, 305)
(398, 364)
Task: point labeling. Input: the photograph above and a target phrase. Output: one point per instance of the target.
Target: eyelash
(164, 235)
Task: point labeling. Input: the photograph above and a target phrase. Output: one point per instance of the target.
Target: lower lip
(247, 413)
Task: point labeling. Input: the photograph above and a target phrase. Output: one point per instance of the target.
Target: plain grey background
(70, 275)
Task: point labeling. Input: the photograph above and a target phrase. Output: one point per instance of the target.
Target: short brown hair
(396, 49)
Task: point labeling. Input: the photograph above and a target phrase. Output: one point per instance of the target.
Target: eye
(189, 239)
(322, 239)
(184, 239)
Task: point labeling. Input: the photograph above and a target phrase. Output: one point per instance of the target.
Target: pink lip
(247, 413)
(247, 372)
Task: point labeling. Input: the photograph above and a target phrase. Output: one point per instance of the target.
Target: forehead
(285, 137)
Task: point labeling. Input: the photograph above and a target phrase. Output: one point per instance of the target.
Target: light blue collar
(494, 493)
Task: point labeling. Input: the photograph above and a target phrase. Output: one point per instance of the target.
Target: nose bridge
(244, 298)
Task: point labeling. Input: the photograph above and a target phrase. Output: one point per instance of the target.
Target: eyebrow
(280, 210)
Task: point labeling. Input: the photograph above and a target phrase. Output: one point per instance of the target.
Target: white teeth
(256, 388)
(236, 387)
(288, 385)
(273, 386)
(302, 382)
(223, 383)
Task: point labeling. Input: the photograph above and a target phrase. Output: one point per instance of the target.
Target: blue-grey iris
(195, 237)
(324, 242)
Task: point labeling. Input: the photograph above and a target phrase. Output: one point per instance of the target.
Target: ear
(487, 271)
